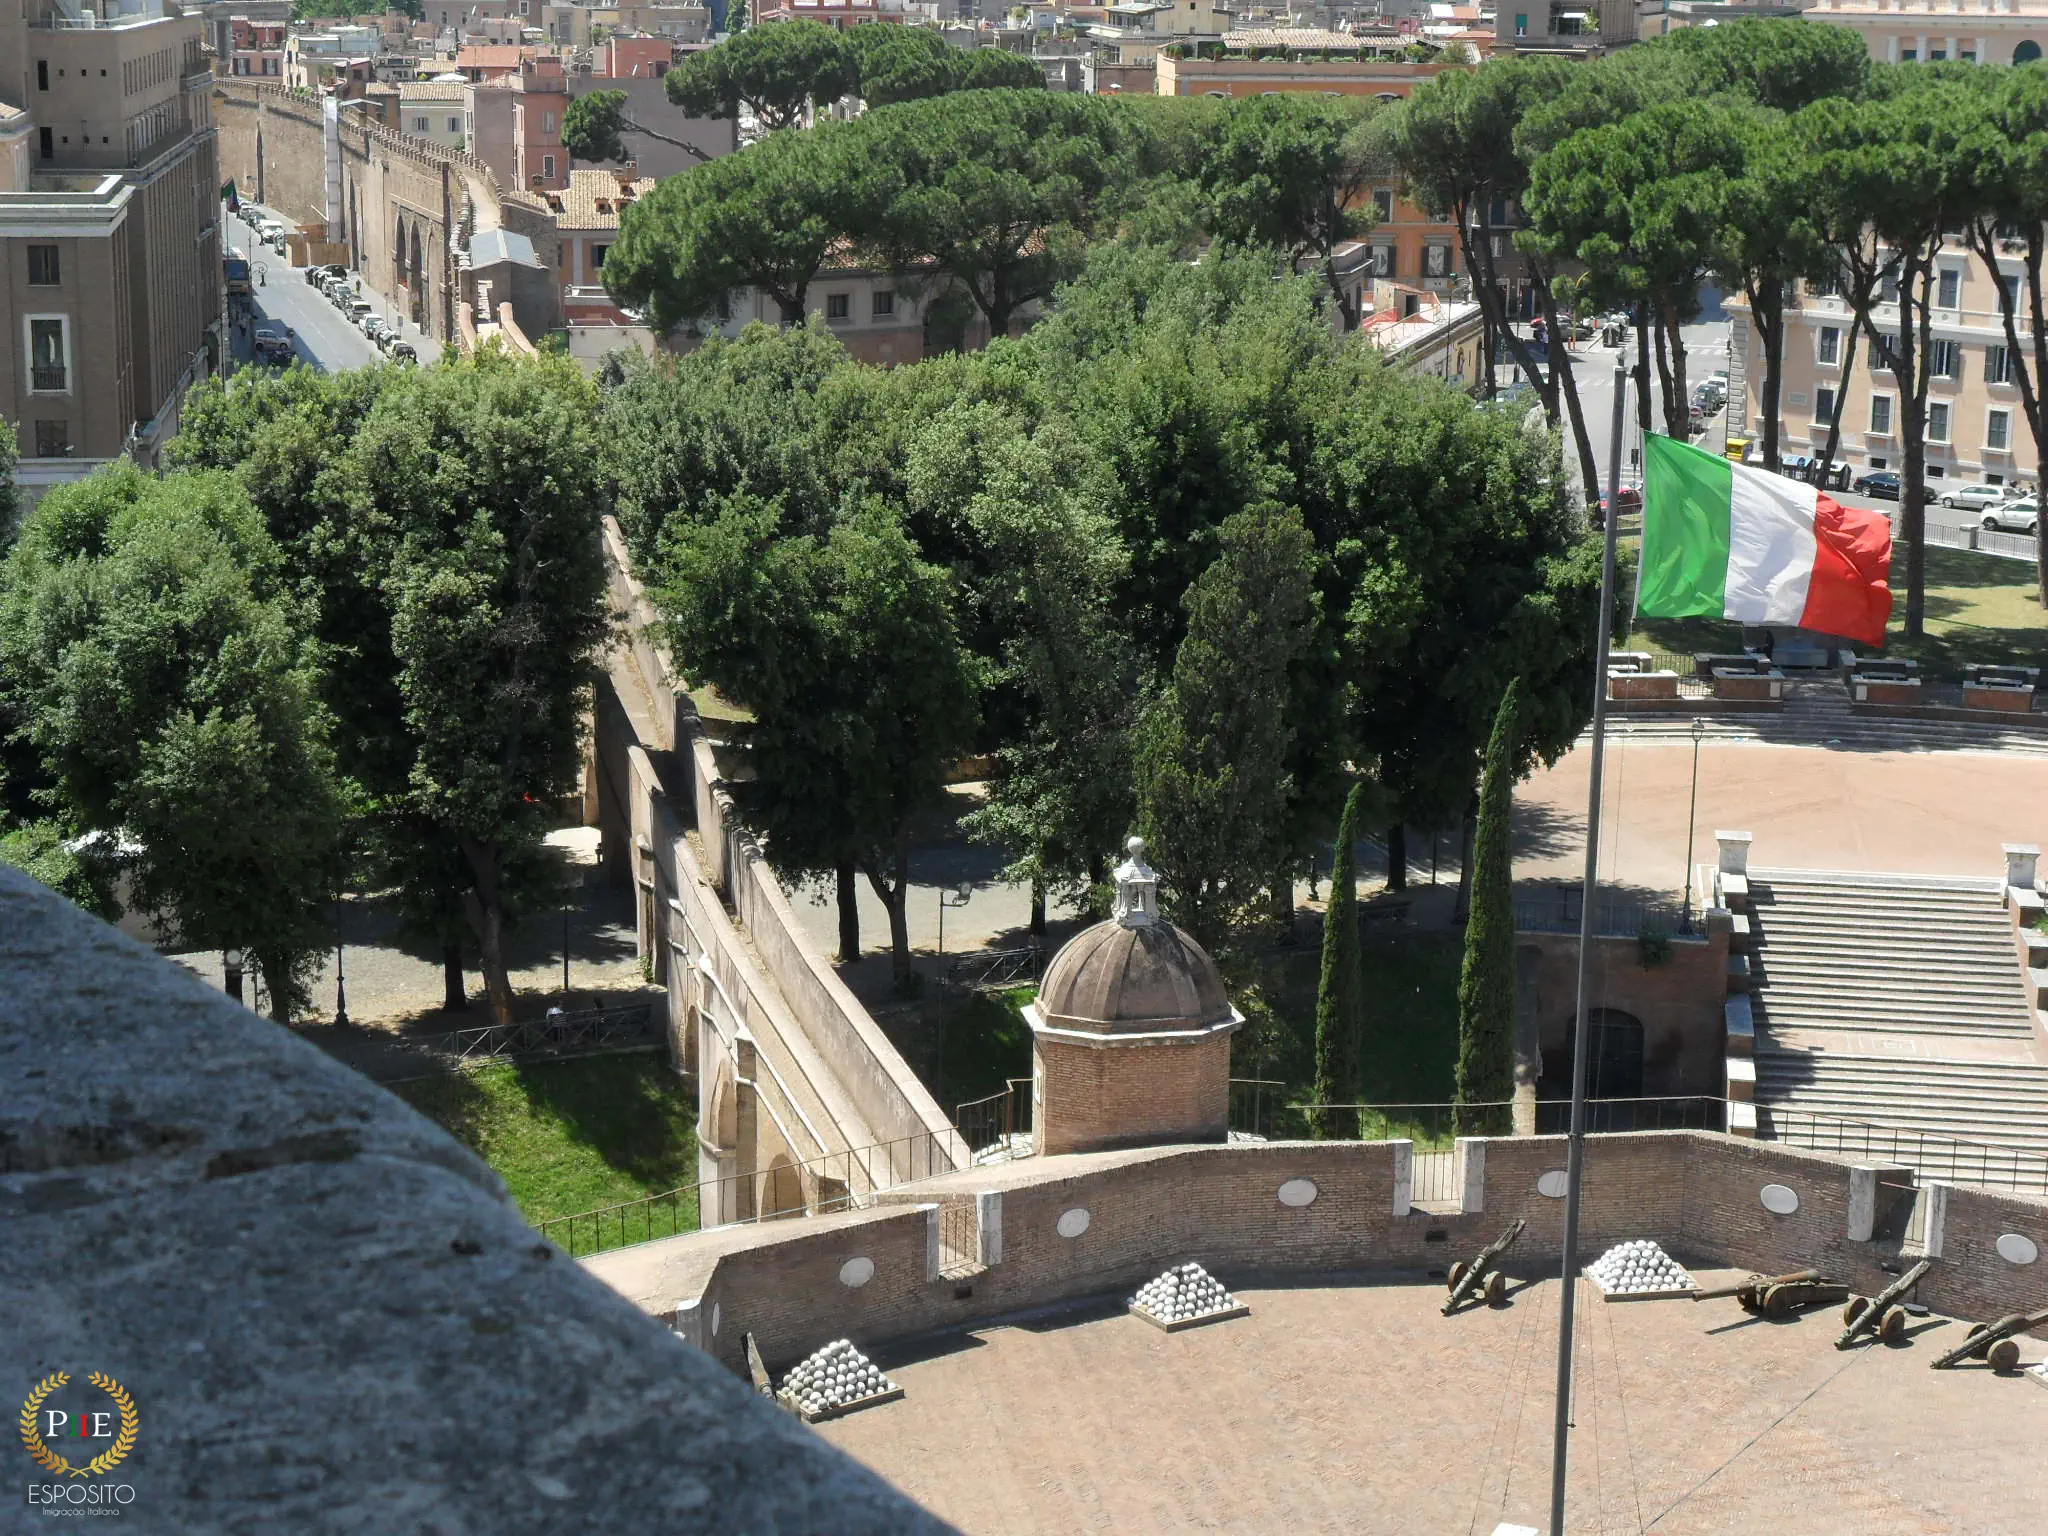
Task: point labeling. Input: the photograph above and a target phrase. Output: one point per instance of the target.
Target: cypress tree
(1340, 996)
(1486, 984)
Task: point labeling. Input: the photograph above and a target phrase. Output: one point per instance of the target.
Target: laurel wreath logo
(107, 1460)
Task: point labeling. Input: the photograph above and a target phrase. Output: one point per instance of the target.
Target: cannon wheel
(2004, 1356)
(1496, 1288)
(1457, 1273)
(1858, 1305)
(1777, 1301)
(1976, 1336)
(1892, 1326)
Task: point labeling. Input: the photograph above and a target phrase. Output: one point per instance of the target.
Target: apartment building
(833, 13)
(434, 110)
(110, 276)
(1132, 33)
(514, 124)
(1976, 430)
(1972, 31)
(1576, 28)
(255, 48)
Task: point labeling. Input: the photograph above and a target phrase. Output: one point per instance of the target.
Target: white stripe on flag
(1771, 548)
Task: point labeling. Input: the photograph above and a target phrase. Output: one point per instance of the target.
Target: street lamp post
(1692, 816)
(340, 970)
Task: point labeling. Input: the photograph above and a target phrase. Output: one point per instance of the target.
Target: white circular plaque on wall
(857, 1272)
(2018, 1248)
(714, 1319)
(1554, 1183)
(1073, 1222)
(1779, 1199)
(1299, 1192)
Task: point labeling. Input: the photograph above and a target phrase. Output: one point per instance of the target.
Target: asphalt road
(320, 334)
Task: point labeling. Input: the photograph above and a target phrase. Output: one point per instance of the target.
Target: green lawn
(1411, 1001)
(1979, 608)
(984, 1043)
(570, 1136)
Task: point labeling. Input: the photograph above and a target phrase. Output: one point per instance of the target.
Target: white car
(2020, 515)
(1976, 498)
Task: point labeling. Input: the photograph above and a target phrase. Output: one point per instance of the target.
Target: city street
(320, 334)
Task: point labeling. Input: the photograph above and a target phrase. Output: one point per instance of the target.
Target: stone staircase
(1896, 1001)
(1817, 714)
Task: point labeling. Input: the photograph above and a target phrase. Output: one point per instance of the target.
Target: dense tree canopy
(161, 670)
(774, 73)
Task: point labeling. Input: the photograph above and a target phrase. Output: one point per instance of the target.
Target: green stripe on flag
(1686, 495)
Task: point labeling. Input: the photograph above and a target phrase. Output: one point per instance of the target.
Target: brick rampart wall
(1695, 1192)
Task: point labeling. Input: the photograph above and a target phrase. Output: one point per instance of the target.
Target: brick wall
(1696, 1193)
(1117, 1095)
(1679, 1004)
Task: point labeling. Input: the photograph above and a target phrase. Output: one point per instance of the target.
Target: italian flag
(1721, 540)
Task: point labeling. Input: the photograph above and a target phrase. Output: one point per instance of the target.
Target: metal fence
(815, 1187)
(589, 1032)
(1934, 1157)
(995, 970)
(1553, 1116)
(1000, 1122)
(1558, 910)
(1427, 1125)
(1985, 541)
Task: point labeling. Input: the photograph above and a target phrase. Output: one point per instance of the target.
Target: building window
(1998, 431)
(1888, 288)
(1997, 365)
(49, 355)
(1945, 359)
(53, 439)
(1881, 415)
(597, 257)
(45, 270)
(1383, 204)
(1521, 24)
(42, 74)
(547, 125)
(1383, 261)
(1908, 55)
(1949, 289)
(455, 125)
(885, 305)
(1823, 404)
(1937, 421)
(547, 165)
(1830, 345)
(2010, 283)
(46, 144)
(1936, 55)
(836, 306)
(419, 125)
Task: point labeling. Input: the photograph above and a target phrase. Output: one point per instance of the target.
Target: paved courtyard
(1930, 813)
(1353, 1406)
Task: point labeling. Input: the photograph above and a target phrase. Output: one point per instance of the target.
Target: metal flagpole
(1575, 1156)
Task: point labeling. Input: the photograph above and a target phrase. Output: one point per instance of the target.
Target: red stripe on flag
(1851, 592)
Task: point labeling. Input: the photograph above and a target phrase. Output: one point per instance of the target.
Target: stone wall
(754, 1010)
(1695, 1192)
(326, 1311)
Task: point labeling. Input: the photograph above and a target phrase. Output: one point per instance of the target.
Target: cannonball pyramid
(835, 1380)
(1639, 1268)
(1184, 1297)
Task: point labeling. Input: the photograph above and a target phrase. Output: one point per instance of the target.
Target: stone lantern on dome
(1130, 1031)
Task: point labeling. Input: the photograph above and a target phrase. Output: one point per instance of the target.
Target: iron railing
(1932, 1156)
(995, 970)
(998, 1122)
(1553, 1116)
(1559, 908)
(817, 1186)
(1258, 1107)
(629, 1027)
(959, 1239)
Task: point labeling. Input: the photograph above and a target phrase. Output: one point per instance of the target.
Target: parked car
(377, 328)
(317, 275)
(402, 352)
(1976, 498)
(1884, 484)
(268, 346)
(357, 310)
(2020, 515)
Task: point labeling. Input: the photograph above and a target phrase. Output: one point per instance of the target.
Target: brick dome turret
(1115, 978)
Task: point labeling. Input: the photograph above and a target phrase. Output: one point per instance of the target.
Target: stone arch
(1615, 1070)
(782, 1189)
(2027, 52)
(417, 285)
(720, 1127)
